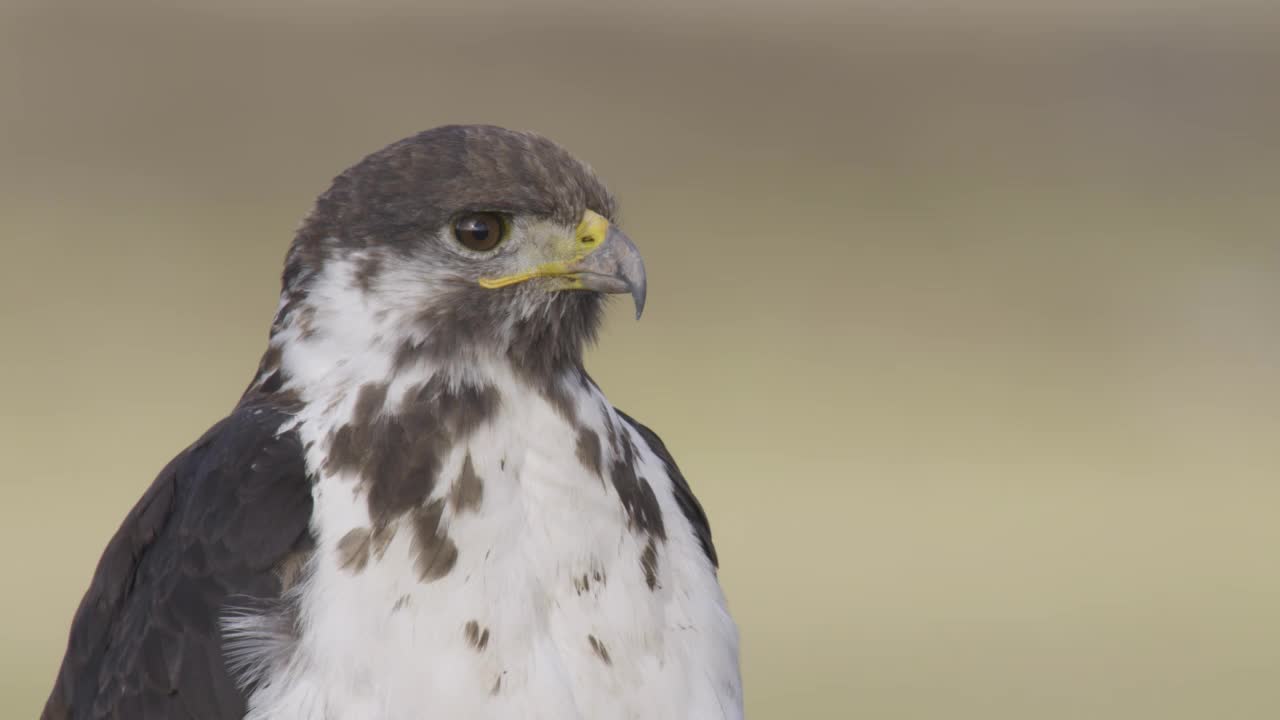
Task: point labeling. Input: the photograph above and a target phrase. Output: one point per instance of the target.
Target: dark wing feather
(689, 504)
(215, 525)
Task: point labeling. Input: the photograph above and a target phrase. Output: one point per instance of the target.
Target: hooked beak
(615, 266)
(600, 257)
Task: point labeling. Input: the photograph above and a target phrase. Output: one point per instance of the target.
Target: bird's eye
(479, 231)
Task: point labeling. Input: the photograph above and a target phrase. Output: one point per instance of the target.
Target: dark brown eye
(479, 231)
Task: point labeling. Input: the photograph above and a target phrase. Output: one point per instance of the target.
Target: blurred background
(964, 318)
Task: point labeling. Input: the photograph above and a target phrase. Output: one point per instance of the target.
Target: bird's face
(460, 242)
(594, 255)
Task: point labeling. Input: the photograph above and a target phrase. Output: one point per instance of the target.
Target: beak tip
(614, 267)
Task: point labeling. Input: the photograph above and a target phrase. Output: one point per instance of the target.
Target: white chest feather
(525, 581)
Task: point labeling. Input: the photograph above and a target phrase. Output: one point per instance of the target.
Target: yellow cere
(588, 236)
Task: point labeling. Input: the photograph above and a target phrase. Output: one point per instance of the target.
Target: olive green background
(964, 319)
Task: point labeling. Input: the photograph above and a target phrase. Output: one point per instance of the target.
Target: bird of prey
(422, 507)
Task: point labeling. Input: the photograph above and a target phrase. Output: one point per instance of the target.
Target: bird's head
(458, 242)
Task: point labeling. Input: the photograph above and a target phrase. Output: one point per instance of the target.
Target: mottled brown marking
(559, 397)
(349, 444)
(289, 401)
(291, 569)
(590, 454)
(477, 636)
(615, 436)
(601, 651)
(401, 603)
(436, 553)
(289, 303)
(644, 515)
(271, 359)
(592, 578)
(397, 456)
(270, 379)
(273, 382)
(649, 564)
(306, 321)
(497, 686)
(380, 539)
(370, 402)
(684, 497)
(367, 270)
(353, 550)
(468, 489)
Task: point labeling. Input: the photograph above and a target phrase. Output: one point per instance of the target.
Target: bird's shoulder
(685, 499)
(215, 527)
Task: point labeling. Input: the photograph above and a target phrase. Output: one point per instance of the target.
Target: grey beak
(614, 267)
